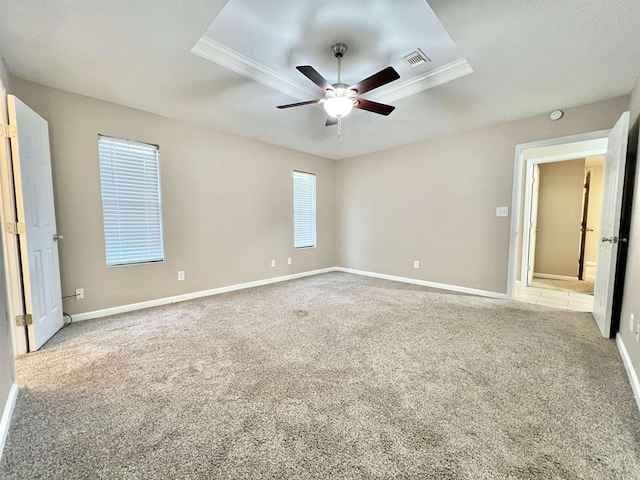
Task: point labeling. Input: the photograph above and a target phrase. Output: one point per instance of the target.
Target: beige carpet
(577, 286)
(336, 377)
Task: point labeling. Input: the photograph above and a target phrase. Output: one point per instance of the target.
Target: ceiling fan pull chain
(340, 129)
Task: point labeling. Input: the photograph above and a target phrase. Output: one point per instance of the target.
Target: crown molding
(218, 53)
(444, 74)
(238, 63)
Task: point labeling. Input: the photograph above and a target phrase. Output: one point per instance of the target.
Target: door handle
(57, 237)
(607, 239)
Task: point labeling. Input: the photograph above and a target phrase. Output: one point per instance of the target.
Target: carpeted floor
(335, 376)
(577, 286)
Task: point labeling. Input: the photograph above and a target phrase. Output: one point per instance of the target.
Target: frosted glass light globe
(338, 106)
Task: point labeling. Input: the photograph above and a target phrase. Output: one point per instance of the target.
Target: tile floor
(577, 302)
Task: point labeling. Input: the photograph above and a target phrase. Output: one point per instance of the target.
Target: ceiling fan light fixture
(338, 107)
(339, 102)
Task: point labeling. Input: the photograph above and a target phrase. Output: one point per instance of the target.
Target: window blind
(131, 204)
(304, 210)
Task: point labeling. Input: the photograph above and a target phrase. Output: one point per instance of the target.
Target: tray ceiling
(243, 39)
(528, 58)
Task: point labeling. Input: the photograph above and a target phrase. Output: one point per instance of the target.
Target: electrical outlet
(632, 322)
(416, 264)
(79, 293)
(273, 263)
(502, 211)
(289, 261)
(181, 275)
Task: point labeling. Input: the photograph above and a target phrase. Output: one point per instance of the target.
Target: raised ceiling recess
(266, 40)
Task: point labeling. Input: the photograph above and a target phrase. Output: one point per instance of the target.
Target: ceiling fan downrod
(338, 50)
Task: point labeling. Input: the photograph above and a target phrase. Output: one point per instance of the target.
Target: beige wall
(227, 203)
(593, 214)
(7, 375)
(560, 196)
(435, 201)
(631, 298)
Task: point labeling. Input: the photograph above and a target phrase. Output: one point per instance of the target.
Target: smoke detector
(556, 115)
(415, 58)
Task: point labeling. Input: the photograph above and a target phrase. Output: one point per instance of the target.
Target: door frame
(11, 252)
(518, 201)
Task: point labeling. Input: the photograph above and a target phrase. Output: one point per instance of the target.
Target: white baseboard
(78, 317)
(5, 423)
(424, 283)
(554, 277)
(631, 372)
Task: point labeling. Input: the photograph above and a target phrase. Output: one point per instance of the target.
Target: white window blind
(304, 210)
(130, 182)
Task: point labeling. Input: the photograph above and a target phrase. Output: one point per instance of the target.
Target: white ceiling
(528, 57)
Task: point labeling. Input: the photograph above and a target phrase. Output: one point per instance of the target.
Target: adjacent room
(319, 240)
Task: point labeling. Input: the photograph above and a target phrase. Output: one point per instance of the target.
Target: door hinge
(24, 320)
(16, 228)
(8, 131)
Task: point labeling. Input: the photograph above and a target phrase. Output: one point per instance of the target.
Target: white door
(533, 224)
(614, 165)
(34, 205)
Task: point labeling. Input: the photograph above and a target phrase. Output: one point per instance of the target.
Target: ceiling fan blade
(331, 121)
(374, 107)
(376, 80)
(311, 73)
(298, 104)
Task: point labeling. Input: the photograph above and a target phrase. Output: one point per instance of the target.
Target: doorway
(549, 264)
(563, 207)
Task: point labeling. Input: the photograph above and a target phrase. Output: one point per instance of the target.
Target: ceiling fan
(339, 98)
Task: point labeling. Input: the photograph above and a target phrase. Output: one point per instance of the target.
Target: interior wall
(435, 201)
(7, 374)
(631, 295)
(227, 203)
(593, 214)
(560, 197)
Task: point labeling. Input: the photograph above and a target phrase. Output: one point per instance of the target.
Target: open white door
(533, 224)
(35, 209)
(613, 181)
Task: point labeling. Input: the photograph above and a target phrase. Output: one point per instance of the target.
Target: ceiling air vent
(415, 58)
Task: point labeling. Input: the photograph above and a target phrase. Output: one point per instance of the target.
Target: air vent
(415, 58)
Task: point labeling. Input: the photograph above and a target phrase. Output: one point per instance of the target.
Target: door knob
(57, 237)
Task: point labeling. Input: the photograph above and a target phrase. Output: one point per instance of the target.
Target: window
(304, 210)
(130, 182)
